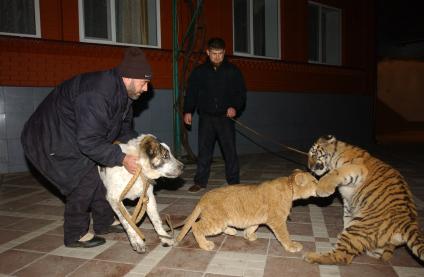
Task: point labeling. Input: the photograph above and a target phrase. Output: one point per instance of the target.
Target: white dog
(156, 160)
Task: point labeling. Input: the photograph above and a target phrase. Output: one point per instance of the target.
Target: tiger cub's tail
(189, 222)
(415, 241)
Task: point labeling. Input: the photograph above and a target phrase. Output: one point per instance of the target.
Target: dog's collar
(151, 181)
(145, 179)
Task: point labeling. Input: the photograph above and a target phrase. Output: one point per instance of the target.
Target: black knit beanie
(134, 65)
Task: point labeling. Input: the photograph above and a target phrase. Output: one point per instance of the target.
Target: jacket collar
(209, 63)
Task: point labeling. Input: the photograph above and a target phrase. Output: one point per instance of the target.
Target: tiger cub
(247, 206)
(379, 212)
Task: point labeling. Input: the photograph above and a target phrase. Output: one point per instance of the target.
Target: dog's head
(157, 160)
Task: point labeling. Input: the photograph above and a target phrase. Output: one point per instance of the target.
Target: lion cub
(247, 206)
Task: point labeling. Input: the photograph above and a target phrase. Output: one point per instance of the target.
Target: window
(256, 28)
(324, 34)
(123, 22)
(20, 18)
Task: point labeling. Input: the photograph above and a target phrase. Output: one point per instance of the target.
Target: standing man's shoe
(195, 188)
(87, 241)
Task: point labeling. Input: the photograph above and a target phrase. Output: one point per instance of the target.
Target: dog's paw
(139, 246)
(167, 242)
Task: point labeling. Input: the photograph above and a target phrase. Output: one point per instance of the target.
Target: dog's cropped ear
(150, 146)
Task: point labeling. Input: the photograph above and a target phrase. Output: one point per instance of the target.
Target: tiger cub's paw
(312, 257)
(325, 188)
(325, 192)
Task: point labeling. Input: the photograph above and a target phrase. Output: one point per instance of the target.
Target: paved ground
(31, 240)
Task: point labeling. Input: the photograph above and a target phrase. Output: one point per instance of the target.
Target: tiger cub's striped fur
(379, 212)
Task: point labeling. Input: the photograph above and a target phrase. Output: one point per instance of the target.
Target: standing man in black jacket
(216, 88)
(72, 132)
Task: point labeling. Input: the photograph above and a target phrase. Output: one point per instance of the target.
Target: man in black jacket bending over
(72, 132)
(216, 88)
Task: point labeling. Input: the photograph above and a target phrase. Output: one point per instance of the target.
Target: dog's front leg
(152, 212)
(136, 241)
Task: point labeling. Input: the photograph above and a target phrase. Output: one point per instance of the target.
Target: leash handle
(268, 138)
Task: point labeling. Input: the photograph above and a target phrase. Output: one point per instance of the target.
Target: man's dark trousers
(88, 196)
(212, 128)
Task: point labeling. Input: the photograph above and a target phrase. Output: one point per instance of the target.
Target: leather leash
(140, 208)
(268, 138)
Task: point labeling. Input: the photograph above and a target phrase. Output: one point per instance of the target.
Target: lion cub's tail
(189, 222)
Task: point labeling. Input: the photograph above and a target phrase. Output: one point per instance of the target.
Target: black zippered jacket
(214, 91)
(72, 130)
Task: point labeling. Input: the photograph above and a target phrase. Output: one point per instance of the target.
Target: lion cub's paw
(230, 231)
(208, 246)
(293, 246)
(250, 237)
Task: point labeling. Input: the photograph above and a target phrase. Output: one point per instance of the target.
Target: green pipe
(175, 77)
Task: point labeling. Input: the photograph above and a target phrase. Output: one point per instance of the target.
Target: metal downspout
(175, 76)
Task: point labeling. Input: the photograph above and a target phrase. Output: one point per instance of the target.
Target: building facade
(309, 66)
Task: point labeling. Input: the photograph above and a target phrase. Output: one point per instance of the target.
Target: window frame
(113, 41)
(320, 6)
(37, 24)
(251, 42)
